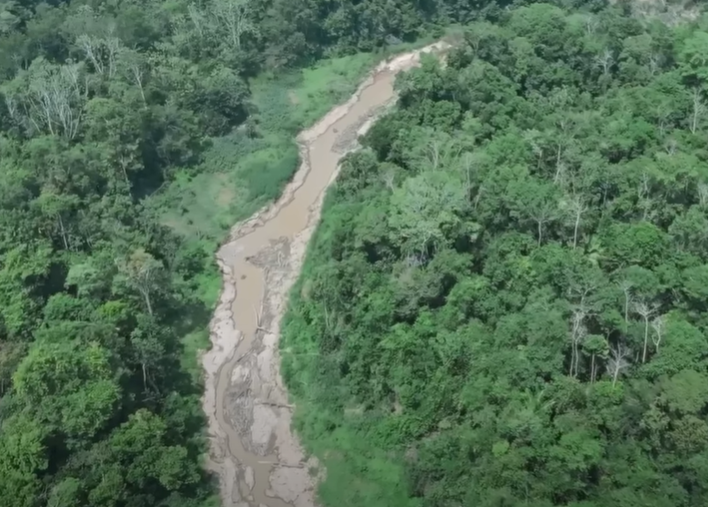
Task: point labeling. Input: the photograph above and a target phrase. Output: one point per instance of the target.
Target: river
(253, 451)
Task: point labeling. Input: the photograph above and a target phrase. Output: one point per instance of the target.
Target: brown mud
(258, 460)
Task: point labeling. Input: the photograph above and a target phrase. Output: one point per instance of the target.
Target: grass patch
(192, 343)
(200, 206)
(203, 283)
(241, 173)
(325, 85)
(368, 475)
(207, 286)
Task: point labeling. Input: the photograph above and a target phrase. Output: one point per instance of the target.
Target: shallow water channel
(257, 458)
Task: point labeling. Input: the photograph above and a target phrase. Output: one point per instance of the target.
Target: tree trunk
(138, 76)
(123, 164)
(125, 174)
(592, 369)
(575, 233)
(697, 107)
(572, 358)
(646, 337)
(142, 94)
(63, 231)
(540, 232)
(146, 295)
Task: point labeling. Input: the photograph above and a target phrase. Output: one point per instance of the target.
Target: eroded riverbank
(257, 458)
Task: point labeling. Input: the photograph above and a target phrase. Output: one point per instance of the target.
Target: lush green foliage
(124, 125)
(505, 302)
(98, 109)
(110, 113)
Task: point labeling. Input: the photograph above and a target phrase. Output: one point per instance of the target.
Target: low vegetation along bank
(505, 302)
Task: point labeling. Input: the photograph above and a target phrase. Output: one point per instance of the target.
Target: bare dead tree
(703, 195)
(577, 334)
(593, 366)
(699, 109)
(52, 208)
(112, 47)
(478, 197)
(561, 176)
(576, 207)
(11, 106)
(591, 24)
(415, 260)
(605, 60)
(655, 62)
(20, 61)
(196, 16)
(560, 166)
(55, 97)
(124, 161)
(626, 287)
(559, 100)
(663, 111)
(85, 229)
(580, 291)
(466, 165)
(102, 52)
(234, 17)
(134, 67)
(433, 152)
(617, 363)
(542, 214)
(658, 325)
(645, 311)
(143, 272)
(388, 178)
(62, 229)
(531, 137)
(643, 194)
(91, 48)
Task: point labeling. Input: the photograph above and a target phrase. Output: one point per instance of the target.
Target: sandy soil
(258, 460)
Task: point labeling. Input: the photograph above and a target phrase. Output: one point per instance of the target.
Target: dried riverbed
(257, 458)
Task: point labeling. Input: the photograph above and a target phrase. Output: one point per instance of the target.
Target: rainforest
(504, 303)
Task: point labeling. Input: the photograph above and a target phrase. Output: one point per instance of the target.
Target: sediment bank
(258, 459)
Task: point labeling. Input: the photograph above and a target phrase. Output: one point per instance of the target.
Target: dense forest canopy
(101, 104)
(505, 302)
(504, 305)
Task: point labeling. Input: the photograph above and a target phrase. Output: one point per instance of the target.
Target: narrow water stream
(258, 460)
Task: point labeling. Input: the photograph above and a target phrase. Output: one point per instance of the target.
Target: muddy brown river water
(257, 458)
